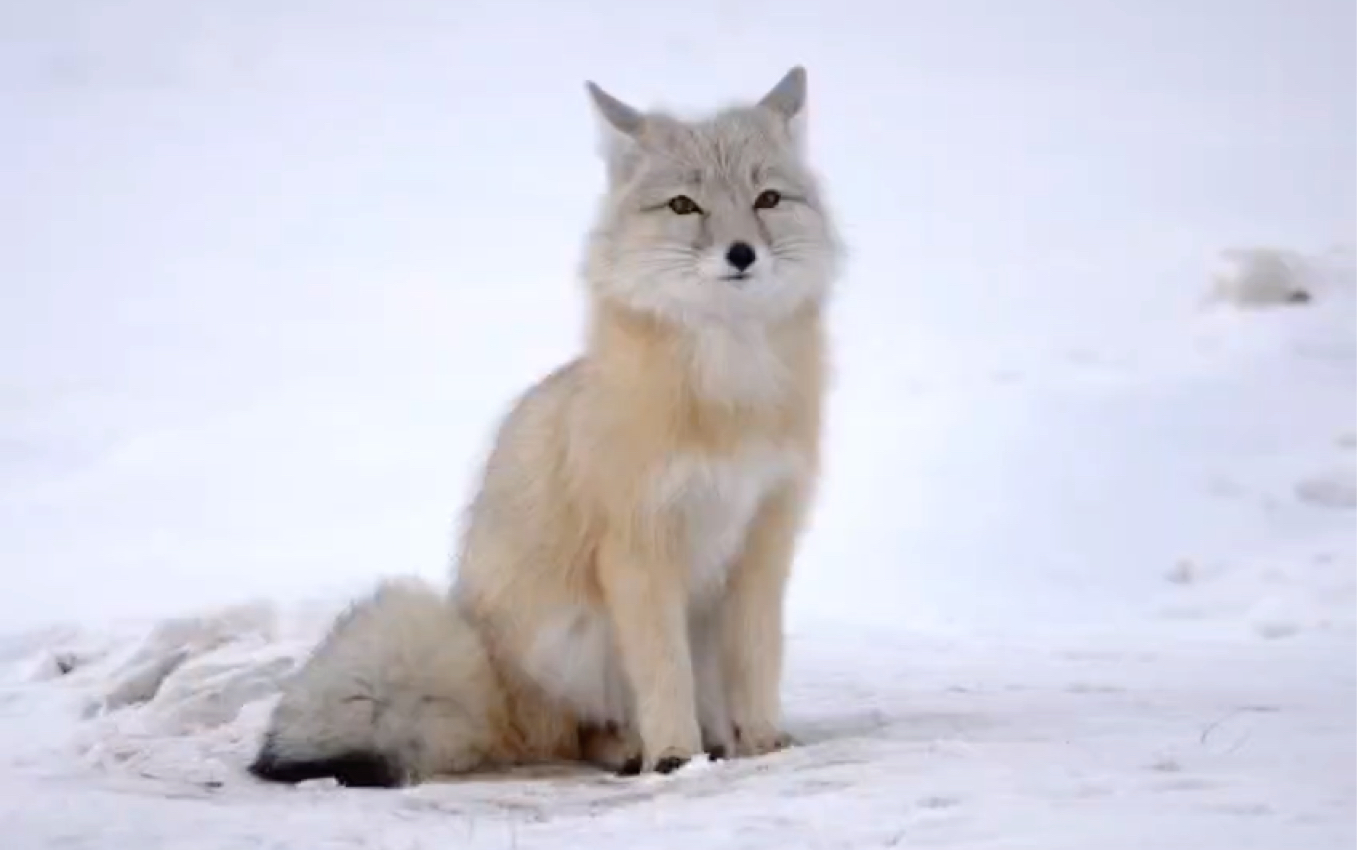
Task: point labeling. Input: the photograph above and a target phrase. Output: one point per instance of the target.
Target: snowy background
(1082, 573)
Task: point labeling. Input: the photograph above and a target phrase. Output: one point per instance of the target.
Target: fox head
(716, 220)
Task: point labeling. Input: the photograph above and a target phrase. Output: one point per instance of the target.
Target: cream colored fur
(622, 569)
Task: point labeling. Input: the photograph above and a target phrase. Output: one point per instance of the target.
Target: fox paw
(669, 764)
(671, 760)
(753, 741)
(664, 765)
(718, 747)
(612, 748)
(620, 751)
(666, 762)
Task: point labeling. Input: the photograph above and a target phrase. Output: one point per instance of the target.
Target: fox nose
(740, 255)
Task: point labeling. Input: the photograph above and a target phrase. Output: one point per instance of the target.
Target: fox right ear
(620, 128)
(620, 117)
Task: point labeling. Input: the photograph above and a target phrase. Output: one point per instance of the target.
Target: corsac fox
(619, 585)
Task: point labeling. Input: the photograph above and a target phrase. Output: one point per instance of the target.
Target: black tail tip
(351, 769)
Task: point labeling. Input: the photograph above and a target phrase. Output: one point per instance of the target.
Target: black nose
(740, 255)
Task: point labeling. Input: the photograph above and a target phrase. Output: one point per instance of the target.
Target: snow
(1082, 571)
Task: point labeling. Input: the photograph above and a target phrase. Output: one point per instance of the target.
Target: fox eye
(767, 199)
(684, 205)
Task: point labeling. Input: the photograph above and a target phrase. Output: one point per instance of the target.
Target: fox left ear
(788, 97)
(620, 128)
(787, 100)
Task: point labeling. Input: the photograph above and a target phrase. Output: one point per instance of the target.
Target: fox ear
(787, 100)
(788, 97)
(620, 117)
(620, 129)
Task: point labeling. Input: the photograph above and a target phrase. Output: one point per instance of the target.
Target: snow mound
(1262, 277)
(187, 700)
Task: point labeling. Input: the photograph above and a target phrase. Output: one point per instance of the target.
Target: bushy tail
(399, 690)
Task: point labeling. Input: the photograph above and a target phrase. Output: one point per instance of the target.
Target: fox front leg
(752, 626)
(646, 599)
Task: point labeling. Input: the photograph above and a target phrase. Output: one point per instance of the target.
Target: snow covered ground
(1083, 571)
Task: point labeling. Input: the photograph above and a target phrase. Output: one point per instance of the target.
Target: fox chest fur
(701, 433)
(712, 500)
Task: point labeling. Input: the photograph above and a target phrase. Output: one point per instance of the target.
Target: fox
(620, 575)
